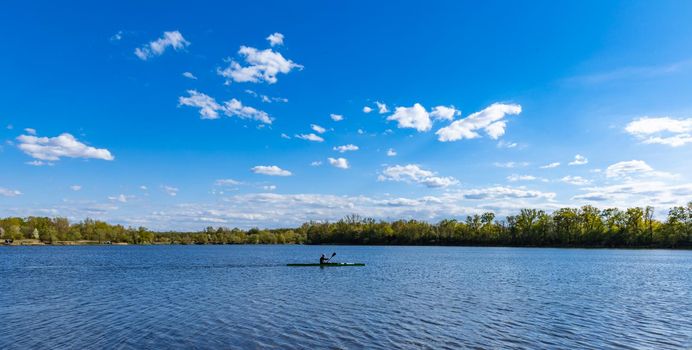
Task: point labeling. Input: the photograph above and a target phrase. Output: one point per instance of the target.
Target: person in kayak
(323, 259)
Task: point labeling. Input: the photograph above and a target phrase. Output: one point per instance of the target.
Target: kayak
(328, 264)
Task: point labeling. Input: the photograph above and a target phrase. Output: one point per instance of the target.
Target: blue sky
(480, 99)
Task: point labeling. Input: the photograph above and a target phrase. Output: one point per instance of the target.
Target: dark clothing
(323, 260)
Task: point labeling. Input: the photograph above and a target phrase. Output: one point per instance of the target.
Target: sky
(268, 114)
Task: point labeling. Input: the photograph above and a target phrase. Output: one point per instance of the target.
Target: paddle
(330, 258)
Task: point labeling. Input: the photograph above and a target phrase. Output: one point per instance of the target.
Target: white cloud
(575, 180)
(518, 177)
(170, 190)
(638, 193)
(444, 113)
(209, 108)
(39, 163)
(189, 75)
(367, 109)
(75, 188)
(30, 131)
(117, 36)
(236, 108)
(120, 198)
(661, 130)
(346, 148)
(511, 164)
(341, 163)
(415, 117)
(504, 144)
(227, 182)
(336, 117)
(318, 129)
(361, 131)
(500, 192)
(269, 187)
(631, 168)
(173, 39)
(579, 160)
(551, 165)
(143, 188)
(381, 107)
(271, 170)
(491, 120)
(276, 39)
(413, 173)
(263, 66)
(391, 152)
(316, 163)
(9, 193)
(284, 136)
(673, 141)
(310, 137)
(54, 148)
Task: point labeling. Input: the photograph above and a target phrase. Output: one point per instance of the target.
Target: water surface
(406, 297)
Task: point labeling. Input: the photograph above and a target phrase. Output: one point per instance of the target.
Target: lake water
(406, 297)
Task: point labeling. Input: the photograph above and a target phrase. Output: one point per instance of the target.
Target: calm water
(406, 297)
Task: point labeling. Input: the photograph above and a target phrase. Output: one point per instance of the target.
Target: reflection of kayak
(328, 264)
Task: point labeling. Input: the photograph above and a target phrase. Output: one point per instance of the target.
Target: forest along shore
(587, 226)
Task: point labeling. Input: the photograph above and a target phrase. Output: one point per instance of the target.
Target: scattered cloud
(276, 39)
(9, 193)
(310, 137)
(391, 152)
(579, 160)
(209, 108)
(630, 168)
(269, 187)
(76, 188)
(120, 198)
(367, 109)
(336, 117)
(504, 144)
(550, 166)
(518, 177)
(170, 190)
(227, 182)
(30, 131)
(143, 188)
(444, 113)
(284, 136)
(318, 129)
(661, 130)
(262, 66)
(415, 117)
(316, 163)
(381, 107)
(346, 148)
(236, 108)
(499, 192)
(341, 163)
(189, 75)
(413, 173)
(491, 120)
(157, 47)
(575, 180)
(638, 193)
(117, 36)
(511, 164)
(271, 170)
(54, 148)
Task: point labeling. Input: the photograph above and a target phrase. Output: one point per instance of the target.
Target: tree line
(587, 226)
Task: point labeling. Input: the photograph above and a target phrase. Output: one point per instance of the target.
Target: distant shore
(585, 227)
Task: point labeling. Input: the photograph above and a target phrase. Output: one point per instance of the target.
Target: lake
(405, 297)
